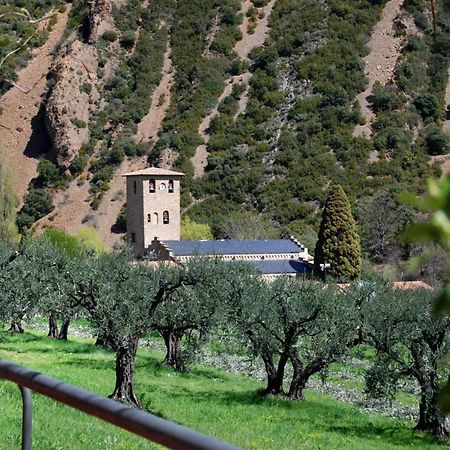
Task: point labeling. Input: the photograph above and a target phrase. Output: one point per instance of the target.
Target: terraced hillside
(263, 104)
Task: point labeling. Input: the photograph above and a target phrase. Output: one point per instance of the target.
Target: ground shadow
(39, 144)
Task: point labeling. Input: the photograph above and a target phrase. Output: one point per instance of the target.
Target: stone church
(154, 222)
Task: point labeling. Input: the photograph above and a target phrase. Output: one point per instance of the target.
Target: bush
(428, 106)
(109, 36)
(436, 141)
(48, 173)
(37, 204)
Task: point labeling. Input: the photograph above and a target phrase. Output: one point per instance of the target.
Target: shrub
(48, 173)
(109, 36)
(436, 141)
(428, 106)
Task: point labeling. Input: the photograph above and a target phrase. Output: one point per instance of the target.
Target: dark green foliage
(109, 36)
(49, 173)
(37, 204)
(120, 226)
(436, 141)
(338, 241)
(428, 106)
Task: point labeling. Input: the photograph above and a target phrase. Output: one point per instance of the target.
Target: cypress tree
(8, 205)
(338, 241)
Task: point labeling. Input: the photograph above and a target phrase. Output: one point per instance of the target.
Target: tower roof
(154, 171)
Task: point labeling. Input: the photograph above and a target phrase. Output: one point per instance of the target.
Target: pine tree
(338, 241)
(8, 204)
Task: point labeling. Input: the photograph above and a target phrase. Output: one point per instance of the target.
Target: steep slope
(148, 127)
(385, 50)
(23, 139)
(243, 47)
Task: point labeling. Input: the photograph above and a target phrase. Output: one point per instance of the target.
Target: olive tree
(304, 323)
(410, 342)
(121, 297)
(193, 309)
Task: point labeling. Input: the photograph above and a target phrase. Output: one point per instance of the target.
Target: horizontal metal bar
(137, 421)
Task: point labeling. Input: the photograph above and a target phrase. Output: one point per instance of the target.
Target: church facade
(154, 223)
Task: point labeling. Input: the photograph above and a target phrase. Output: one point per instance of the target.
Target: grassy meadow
(208, 400)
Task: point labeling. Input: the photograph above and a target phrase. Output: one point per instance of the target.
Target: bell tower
(153, 207)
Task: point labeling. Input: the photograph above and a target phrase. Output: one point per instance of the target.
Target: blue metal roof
(233, 247)
(282, 266)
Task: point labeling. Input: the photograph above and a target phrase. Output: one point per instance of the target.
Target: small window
(133, 237)
(135, 187)
(149, 218)
(162, 186)
(165, 217)
(170, 187)
(151, 185)
(155, 218)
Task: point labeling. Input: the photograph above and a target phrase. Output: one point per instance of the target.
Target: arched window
(149, 218)
(165, 217)
(170, 187)
(134, 186)
(152, 185)
(155, 218)
(133, 237)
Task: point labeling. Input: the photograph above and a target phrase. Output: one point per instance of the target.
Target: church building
(154, 222)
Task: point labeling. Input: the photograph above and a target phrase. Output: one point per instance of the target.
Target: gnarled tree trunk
(172, 340)
(64, 330)
(275, 374)
(125, 363)
(298, 381)
(16, 327)
(302, 374)
(431, 420)
(52, 327)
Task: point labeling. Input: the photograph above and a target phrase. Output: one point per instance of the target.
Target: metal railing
(137, 421)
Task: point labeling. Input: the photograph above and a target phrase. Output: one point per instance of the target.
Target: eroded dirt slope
(385, 50)
(22, 136)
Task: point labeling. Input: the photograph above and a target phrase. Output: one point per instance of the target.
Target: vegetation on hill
(19, 34)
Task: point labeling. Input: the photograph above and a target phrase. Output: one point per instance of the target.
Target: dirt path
(21, 140)
(149, 126)
(257, 39)
(385, 50)
(243, 48)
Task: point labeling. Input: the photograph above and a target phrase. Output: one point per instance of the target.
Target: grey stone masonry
(153, 207)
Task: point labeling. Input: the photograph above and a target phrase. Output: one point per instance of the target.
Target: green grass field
(213, 402)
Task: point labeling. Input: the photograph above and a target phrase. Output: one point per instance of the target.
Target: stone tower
(153, 207)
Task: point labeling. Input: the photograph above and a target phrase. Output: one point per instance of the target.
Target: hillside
(263, 104)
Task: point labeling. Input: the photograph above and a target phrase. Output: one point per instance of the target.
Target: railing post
(27, 410)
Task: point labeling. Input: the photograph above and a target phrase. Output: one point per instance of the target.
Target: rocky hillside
(263, 104)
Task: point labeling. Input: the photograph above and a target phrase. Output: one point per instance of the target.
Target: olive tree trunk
(274, 373)
(431, 420)
(172, 340)
(52, 327)
(125, 363)
(302, 374)
(16, 327)
(64, 330)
